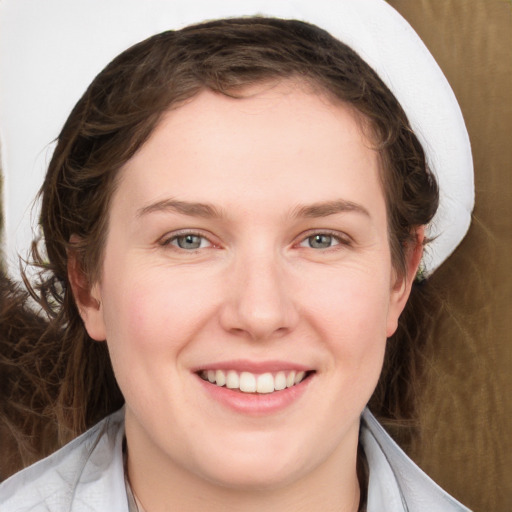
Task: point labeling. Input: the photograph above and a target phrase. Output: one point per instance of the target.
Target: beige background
(467, 404)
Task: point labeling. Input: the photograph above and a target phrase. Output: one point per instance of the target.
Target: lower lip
(255, 404)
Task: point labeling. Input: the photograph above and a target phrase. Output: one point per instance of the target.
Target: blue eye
(320, 241)
(189, 241)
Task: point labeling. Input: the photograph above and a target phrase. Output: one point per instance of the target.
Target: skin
(254, 290)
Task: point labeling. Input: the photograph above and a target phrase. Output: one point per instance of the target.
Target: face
(247, 289)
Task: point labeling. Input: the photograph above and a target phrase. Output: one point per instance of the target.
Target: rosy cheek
(148, 320)
(352, 317)
(163, 312)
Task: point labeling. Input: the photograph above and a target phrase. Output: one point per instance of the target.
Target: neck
(224, 499)
(329, 488)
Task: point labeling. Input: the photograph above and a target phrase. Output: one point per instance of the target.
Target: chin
(254, 477)
(262, 468)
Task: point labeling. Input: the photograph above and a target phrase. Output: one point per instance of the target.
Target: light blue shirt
(87, 475)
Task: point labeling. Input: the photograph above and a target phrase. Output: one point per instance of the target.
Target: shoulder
(395, 479)
(75, 477)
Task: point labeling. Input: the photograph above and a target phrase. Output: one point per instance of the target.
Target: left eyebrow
(326, 208)
(182, 207)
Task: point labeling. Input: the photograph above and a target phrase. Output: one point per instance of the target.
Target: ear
(402, 286)
(87, 297)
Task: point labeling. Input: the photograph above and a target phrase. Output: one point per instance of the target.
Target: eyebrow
(185, 208)
(205, 210)
(326, 208)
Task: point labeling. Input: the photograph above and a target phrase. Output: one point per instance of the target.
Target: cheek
(149, 321)
(351, 314)
(353, 304)
(153, 312)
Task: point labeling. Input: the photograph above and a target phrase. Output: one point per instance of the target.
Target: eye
(321, 241)
(188, 241)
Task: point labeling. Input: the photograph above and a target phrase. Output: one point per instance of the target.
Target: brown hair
(112, 120)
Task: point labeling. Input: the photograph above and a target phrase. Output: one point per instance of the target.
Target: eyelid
(341, 237)
(166, 240)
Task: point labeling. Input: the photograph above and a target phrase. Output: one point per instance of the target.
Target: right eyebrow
(326, 208)
(191, 209)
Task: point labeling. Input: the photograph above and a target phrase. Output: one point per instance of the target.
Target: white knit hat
(74, 40)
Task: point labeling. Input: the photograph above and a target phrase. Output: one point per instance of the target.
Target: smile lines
(248, 382)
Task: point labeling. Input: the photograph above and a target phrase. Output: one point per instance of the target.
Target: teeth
(298, 377)
(248, 382)
(220, 378)
(232, 380)
(280, 381)
(265, 383)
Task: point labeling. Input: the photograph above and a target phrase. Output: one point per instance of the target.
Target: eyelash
(168, 241)
(341, 240)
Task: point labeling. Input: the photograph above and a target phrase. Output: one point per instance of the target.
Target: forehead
(279, 142)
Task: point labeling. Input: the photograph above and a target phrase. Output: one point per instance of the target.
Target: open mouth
(247, 382)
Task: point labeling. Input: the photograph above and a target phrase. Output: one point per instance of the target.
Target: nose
(258, 302)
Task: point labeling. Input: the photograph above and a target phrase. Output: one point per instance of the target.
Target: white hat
(74, 40)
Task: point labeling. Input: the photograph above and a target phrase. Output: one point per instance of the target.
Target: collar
(89, 472)
(395, 479)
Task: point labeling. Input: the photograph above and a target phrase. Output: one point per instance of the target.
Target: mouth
(255, 383)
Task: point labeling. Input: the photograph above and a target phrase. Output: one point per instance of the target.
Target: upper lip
(257, 367)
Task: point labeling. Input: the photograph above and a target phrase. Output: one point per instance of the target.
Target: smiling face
(246, 292)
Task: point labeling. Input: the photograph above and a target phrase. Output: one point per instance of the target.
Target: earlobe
(87, 298)
(402, 286)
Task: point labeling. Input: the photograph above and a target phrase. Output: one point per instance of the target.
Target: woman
(237, 210)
